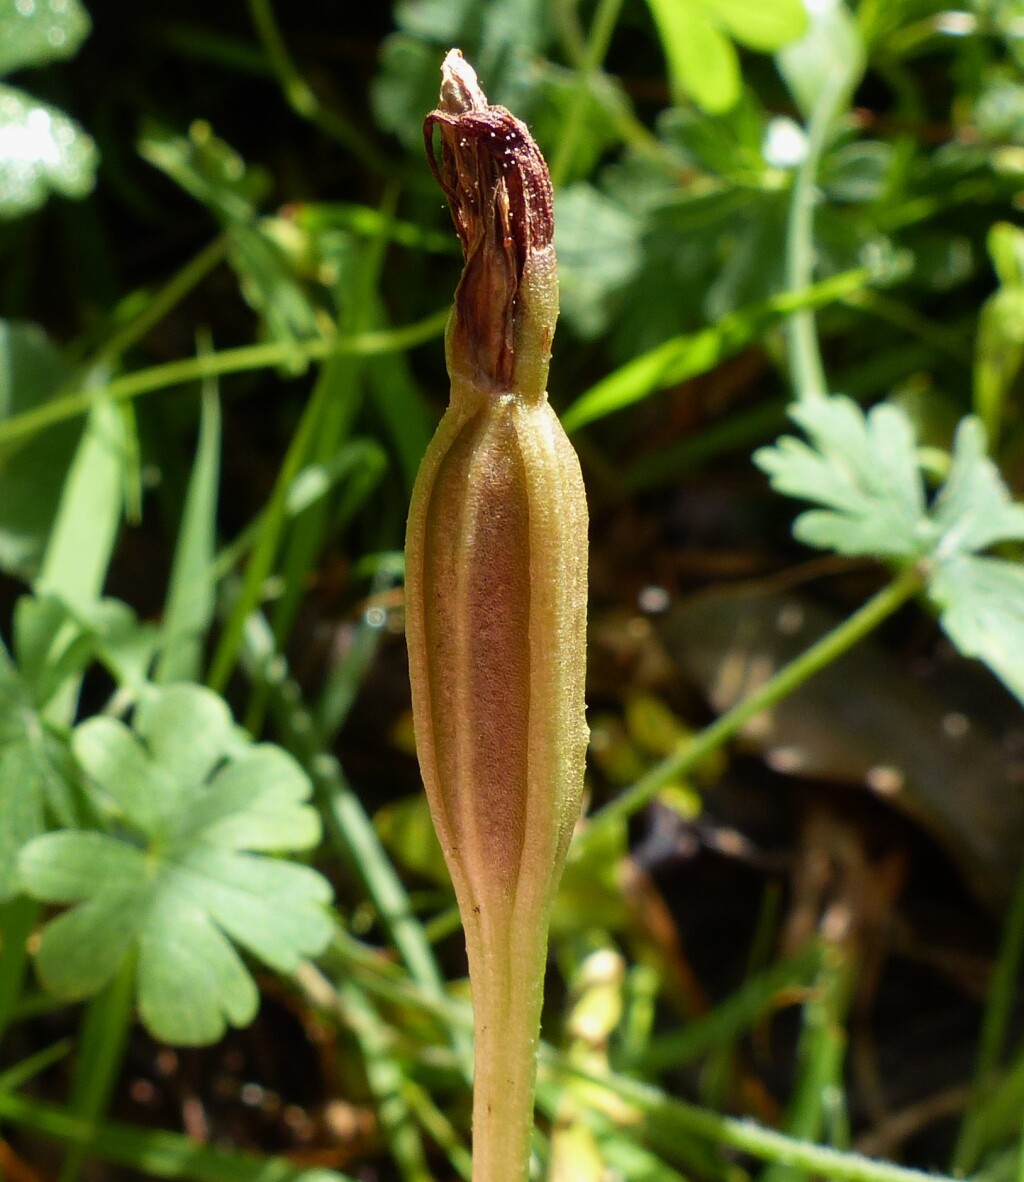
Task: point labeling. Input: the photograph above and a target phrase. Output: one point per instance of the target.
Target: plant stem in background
(903, 588)
(496, 586)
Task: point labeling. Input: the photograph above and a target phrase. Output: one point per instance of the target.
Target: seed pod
(496, 582)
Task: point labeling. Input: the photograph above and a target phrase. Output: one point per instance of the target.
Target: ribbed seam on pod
(496, 596)
(496, 622)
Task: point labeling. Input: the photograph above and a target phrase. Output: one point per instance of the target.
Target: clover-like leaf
(863, 469)
(982, 612)
(42, 150)
(974, 510)
(34, 32)
(36, 773)
(183, 877)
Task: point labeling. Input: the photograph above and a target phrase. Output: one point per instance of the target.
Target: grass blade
(191, 592)
(687, 356)
(155, 1153)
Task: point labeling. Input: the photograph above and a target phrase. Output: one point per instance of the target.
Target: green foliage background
(224, 278)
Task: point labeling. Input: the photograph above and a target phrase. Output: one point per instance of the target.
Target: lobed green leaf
(184, 878)
(865, 472)
(34, 32)
(42, 150)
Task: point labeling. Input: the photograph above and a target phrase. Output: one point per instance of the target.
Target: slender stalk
(102, 1043)
(240, 360)
(903, 588)
(670, 1121)
(300, 95)
(506, 1067)
(1002, 995)
(806, 368)
(155, 1153)
(18, 916)
(160, 303)
(605, 19)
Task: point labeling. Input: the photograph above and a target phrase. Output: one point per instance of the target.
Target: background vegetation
(228, 949)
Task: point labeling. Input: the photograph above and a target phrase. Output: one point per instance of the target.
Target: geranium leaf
(184, 877)
(865, 473)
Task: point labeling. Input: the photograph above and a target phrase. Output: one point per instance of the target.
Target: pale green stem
(1002, 994)
(904, 587)
(102, 1039)
(167, 297)
(601, 30)
(192, 369)
(507, 976)
(806, 368)
(301, 97)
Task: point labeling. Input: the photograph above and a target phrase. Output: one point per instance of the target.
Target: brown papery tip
(460, 90)
(499, 193)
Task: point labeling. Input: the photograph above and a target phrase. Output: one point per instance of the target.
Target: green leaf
(42, 150)
(598, 246)
(185, 964)
(216, 175)
(826, 64)
(701, 60)
(36, 774)
(33, 32)
(31, 373)
(54, 642)
(862, 469)
(405, 87)
(981, 603)
(866, 472)
(182, 879)
(974, 510)
(685, 357)
(761, 24)
(191, 593)
(83, 949)
(80, 545)
(442, 22)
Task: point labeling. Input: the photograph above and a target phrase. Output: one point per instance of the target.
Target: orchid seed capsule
(496, 595)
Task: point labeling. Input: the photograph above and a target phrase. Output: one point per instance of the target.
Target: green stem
(160, 303)
(605, 20)
(729, 1019)
(342, 375)
(301, 97)
(264, 553)
(789, 678)
(806, 369)
(349, 826)
(240, 360)
(101, 1047)
(18, 917)
(821, 1052)
(1001, 997)
(668, 1122)
(155, 1153)
(384, 1072)
(506, 1022)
